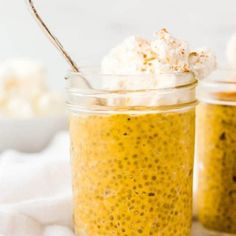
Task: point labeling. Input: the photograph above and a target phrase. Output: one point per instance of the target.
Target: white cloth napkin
(35, 192)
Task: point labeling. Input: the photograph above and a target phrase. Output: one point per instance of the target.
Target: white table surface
(198, 230)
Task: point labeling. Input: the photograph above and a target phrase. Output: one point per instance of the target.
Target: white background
(89, 28)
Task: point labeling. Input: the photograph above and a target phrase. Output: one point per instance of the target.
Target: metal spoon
(55, 41)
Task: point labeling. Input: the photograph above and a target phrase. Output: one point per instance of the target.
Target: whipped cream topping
(129, 57)
(171, 53)
(203, 62)
(163, 55)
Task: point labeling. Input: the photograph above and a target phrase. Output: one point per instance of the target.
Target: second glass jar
(216, 145)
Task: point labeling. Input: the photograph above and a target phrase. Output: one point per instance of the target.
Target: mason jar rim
(219, 87)
(86, 71)
(163, 99)
(213, 78)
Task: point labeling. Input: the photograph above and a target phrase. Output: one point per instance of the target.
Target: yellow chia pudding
(132, 174)
(216, 128)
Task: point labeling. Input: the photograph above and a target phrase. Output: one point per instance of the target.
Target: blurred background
(32, 71)
(88, 29)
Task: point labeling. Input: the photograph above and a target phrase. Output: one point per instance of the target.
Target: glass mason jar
(132, 157)
(216, 145)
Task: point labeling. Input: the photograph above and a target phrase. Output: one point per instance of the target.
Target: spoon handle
(52, 38)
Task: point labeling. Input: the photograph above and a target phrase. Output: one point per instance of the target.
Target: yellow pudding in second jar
(132, 174)
(217, 159)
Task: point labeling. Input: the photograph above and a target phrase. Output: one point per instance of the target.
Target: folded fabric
(35, 192)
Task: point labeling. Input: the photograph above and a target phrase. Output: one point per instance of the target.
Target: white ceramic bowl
(29, 135)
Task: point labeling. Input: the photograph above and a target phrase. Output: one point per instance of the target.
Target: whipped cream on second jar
(163, 55)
